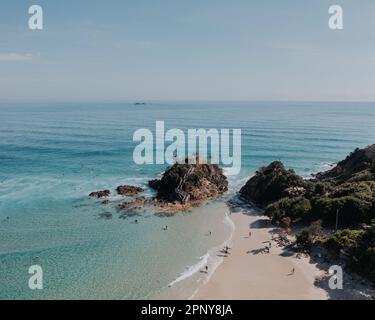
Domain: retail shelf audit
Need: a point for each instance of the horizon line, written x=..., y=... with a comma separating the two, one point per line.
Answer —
x=150, y=101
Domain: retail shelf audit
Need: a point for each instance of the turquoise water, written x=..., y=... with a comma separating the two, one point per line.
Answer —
x=53, y=155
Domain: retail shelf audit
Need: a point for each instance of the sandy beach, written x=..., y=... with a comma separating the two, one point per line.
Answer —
x=247, y=273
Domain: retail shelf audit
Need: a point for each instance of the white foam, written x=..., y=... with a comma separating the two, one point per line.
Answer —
x=217, y=260
x=210, y=258
x=192, y=269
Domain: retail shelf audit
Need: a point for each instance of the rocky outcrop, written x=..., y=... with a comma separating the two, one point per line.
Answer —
x=100, y=194
x=271, y=183
x=154, y=184
x=346, y=191
x=137, y=203
x=359, y=166
x=127, y=190
x=182, y=186
x=185, y=183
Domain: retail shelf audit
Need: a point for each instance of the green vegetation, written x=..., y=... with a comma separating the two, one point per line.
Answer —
x=342, y=239
x=348, y=210
x=293, y=208
x=363, y=254
x=305, y=240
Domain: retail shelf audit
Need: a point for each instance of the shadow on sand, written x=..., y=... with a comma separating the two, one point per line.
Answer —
x=354, y=287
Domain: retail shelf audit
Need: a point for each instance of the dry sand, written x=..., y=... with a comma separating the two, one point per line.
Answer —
x=248, y=274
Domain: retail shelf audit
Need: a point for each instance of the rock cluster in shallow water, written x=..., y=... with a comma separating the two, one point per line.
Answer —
x=182, y=186
x=184, y=183
x=100, y=194
x=128, y=190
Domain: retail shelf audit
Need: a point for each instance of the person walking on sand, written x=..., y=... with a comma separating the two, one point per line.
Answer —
x=209, y=232
x=293, y=270
x=206, y=269
x=249, y=234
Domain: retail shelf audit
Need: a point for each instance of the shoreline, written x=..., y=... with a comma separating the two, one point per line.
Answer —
x=248, y=274
x=187, y=283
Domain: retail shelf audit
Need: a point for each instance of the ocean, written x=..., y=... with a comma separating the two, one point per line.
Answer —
x=53, y=155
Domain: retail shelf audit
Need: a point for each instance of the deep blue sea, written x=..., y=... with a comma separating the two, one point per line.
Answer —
x=53, y=155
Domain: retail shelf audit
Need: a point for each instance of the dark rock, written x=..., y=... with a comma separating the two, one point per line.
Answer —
x=359, y=161
x=100, y=194
x=127, y=190
x=154, y=184
x=190, y=183
x=137, y=203
x=271, y=183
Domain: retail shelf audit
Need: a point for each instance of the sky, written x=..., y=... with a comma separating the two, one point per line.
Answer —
x=220, y=50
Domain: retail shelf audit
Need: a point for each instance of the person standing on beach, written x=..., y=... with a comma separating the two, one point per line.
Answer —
x=249, y=234
x=206, y=269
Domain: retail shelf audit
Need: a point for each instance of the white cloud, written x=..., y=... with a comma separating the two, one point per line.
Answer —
x=13, y=56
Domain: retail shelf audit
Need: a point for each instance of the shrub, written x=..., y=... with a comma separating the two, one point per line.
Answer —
x=285, y=222
x=363, y=256
x=361, y=190
x=294, y=208
x=320, y=188
x=343, y=239
x=304, y=240
x=371, y=213
x=350, y=210
x=315, y=228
